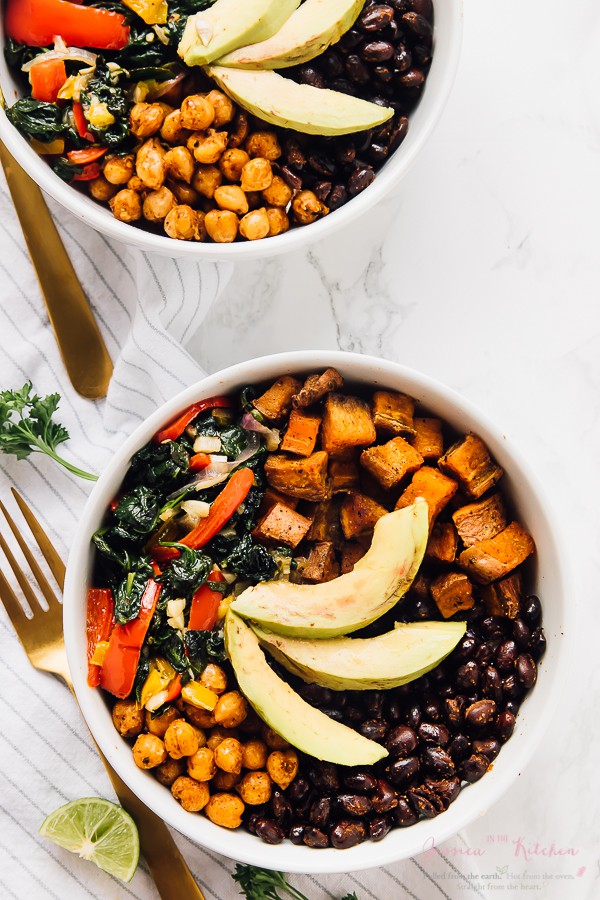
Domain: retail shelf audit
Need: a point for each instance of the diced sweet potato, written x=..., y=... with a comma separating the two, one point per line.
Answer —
x=421, y=587
x=433, y=486
x=317, y=386
x=282, y=525
x=391, y=462
x=322, y=564
x=393, y=412
x=304, y=478
x=302, y=431
x=344, y=473
x=469, y=461
x=276, y=402
x=496, y=557
x=452, y=592
x=502, y=598
x=271, y=497
x=325, y=517
x=428, y=439
x=443, y=543
x=351, y=553
x=359, y=515
x=480, y=521
x=347, y=423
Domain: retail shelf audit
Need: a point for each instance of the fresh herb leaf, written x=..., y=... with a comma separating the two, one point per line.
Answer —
x=157, y=465
x=128, y=596
x=233, y=441
x=352, y=896
x=138, y=511
x=188, y=572
x=264, y=884
x=250, y=560
x=37, y=119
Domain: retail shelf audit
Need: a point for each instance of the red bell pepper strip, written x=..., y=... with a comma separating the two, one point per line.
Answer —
x=81, y=122
x=174, y=690
x=46, y=79
x=37, y=22
x=89, y=173
x=176, y=428
x=199, y=461
x=99, y=624
x=85, y=156
x=125, y=645
x=205, y=605
x=223, y=507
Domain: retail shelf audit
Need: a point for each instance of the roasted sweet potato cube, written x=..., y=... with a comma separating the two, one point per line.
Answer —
x=344, y=473
x=421, y=586
x=347, y=423
x=325, y=517
x=469, y=461
x=351, y=553
x=433, y=486
x=271, y=497
x=428, y=439
x=322, y=564
x=480, y=521
x=393, y=412
x=443, y=543
x=317, y=386
x=496, y=557
x=302, y=431
x=281, y=525
x=303, y=478
x=391, y=462
x=276, y=402
x=452, y=592
x=502, y=598
x=359, y=514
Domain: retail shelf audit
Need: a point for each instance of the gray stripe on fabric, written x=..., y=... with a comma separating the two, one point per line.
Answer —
x=395, y=878
x=431, y=879
x=119, y=259
x=458, y=872
x=134, y=390
x=7, y=891
x=48, y=526
x=363, y=887
x=169, y=337
x=46, y=482
x=20, y=862
x=183, y=293
x=319, y=885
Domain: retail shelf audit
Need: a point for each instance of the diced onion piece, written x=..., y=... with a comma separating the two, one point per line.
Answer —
x=157, y=701
x=177, y=622
x=167, y=514
x=69, y=54
x=229, y=577
x=207, y=443
x=175, y=607
x=196, y=508
x=195, y=693
x=271, y=435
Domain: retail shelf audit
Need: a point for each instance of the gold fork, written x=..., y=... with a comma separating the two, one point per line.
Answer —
x=42, y=639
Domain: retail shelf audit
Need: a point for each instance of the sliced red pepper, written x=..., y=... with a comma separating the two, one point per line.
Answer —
x=37, y=22
x=199, y=461
x=85, y=156
x=46, y=79
x=205, y=605
x=174, y=690
x=81, y=122
x=89, y=173
x=176, y=428
x=125, y=645
x=99, y=624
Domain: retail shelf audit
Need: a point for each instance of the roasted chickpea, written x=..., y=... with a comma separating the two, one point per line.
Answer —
x=257, y=175
x=179, y=164
x=157, y=204
x=136, y=184
x=118, y=169
x=265, y=144
x=232, y=162
x=150, y=164
x=214, y=678
x=254, y=755
x=181, y=739
x=231, y=708
x=239, y=130
x=159, y=725
x=225, y=810
x=255, y=225
x=307, y=207
x=201, y=718
x=222, y=225
x=207, y=148
x=223, y=107
x=224, y=781
x=255, y=788
x=149, y=751
x=228, y=756
x=197, y=113
x=185, y=193
x=231, y=196
x=169, y=771
x=182, y=223
x=272, y=739
x=145, y=119
x=279, y=193
x=206, y=180
x=201, y=764
x=278, y=220
x=127, y=718
x=282, y=766
x=172, y=130
x=102, y=190
x=126, y=206
x=193, y=795
x=217, y=735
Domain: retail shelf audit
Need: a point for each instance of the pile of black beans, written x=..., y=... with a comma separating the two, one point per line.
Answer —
x=384, y=58
x=442, y=732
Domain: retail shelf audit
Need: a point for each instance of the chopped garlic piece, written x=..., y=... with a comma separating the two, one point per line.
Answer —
x=197, y=508
x=175, y=607
x=206, y=443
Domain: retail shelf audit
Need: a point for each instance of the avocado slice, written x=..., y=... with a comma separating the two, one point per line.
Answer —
x=285, y=711
x=283, y=102
x=229, y=24
x=351, y=601
x=366, y=664
x=308, y=32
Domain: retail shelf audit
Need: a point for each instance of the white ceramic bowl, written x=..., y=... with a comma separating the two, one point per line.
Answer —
x=550, y=580
x=448, y=33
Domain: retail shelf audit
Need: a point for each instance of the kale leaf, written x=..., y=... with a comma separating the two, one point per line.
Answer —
x=37, y=119
x=233, y=441
x=65, y=169
x=157, y=465
x=247, y=517
x=188, y=572
x=137, y=512
x=203, y=646
x=128, y=595
x=104, y=88
x=142, y=673
x=250, y=560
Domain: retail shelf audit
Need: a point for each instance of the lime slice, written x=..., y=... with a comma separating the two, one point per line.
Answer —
x=97, y=830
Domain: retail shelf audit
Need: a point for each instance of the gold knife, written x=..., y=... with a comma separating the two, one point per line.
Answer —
x=81, y=345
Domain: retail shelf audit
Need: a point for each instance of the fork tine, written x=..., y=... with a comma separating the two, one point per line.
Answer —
x=37, y=572
x=55, y=563
x=15, y=611
x=18, y=572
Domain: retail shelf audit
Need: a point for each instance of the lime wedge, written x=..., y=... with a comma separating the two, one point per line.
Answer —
x=97, y=830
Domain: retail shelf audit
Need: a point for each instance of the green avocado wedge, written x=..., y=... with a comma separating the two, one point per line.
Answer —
x=351, y=601
x=308, y=32
x=281, y=101
x=305, y=727
x=365, y=664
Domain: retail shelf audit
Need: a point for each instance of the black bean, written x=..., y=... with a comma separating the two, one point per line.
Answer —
x=314, y=837
x=459, y=747
x=521, y=633
x=492, y=627
x=374, y=729
x=537, y=643
x=401, y=771
x=330, y=64
x=506, y=656
x=425, y=802
x=453, y=709
x=432, y=708
x=421, y=54
x=320, y=812
x=298, y=789
x=473, y=768
x=360, y=782
x=394, y=710
x=291, y=178
x=374, y=703
x=526, y=670
x=490, y=748
x=480, y=713
x=438, y=761
x=384, y=73
x=322, y=189
x=310, y=75
x=347, y=833
x=491, y=684
x=417, y=25
x=350, y=40
x=376, y=17
x=269, y=831
x=360, y=179
x=336, y=714
x=532, y=610
x=281, y=807
x=353, y=713
x=296, y=834
x=356, y=70
x=403, y=814
x=512, y=706
x=446, y=789
x=379, y=827
x=423, y=7
x=432, y=733
x=413, y=716
x=384, y=798
x=467, y=676
x=401, y=741
x=484, y=654
x=402, y=58
x=354, y=804
x=324, y=776
x=377, y=51
x=414, y=79
x=512, y=687
x=505, y=725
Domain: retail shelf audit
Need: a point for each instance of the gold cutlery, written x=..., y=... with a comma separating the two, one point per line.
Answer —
x=42, y=639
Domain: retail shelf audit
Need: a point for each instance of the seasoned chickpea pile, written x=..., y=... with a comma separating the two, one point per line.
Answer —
x=215, y=762
x=201, y=174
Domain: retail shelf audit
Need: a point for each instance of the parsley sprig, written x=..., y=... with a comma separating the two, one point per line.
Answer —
x=26, y=426
x=263, y=884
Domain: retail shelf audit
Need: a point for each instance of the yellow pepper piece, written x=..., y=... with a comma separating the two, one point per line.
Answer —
x=160, y=676
x=99, y=653
x=195, y=693
x=153, y=12
x=55, y=146
x=99, y=116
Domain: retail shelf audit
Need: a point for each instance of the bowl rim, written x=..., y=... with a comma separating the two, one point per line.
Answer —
x=401, y=843
x=428, y=112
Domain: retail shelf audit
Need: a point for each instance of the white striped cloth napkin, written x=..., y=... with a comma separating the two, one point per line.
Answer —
x=147, y=307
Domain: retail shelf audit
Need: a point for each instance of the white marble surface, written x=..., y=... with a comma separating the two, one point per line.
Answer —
x=485, y=273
